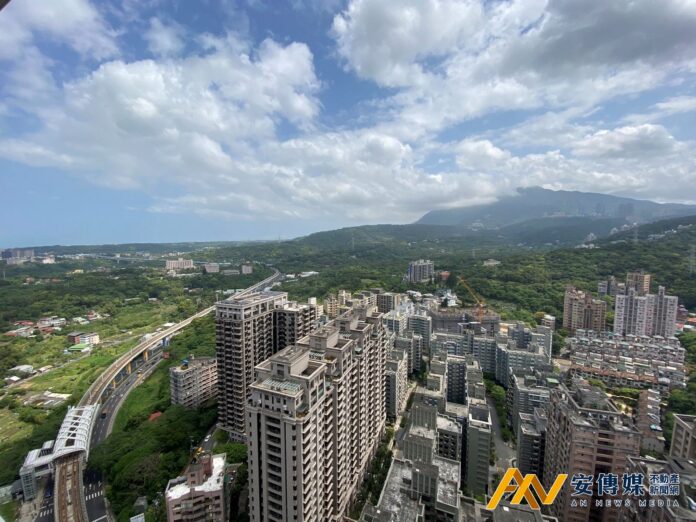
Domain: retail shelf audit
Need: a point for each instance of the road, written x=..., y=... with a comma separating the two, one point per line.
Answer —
x=69, y=480
x=93, y=483
x=103, y=424
x=504, y=454
x=45, y=513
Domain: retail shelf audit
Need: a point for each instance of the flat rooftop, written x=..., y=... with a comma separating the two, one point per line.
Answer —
x=448, y=483
x=422, y=431
x=394, y=499
x=250, y=299
x=445, y=423
x=288, y=387
x=510, y=513
x=177, y=489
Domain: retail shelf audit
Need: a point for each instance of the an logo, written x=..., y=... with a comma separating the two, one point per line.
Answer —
x=513, y=481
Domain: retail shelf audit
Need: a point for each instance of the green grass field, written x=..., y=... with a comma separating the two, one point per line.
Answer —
x=152, y=395
x=18, y=425
x=9, y=511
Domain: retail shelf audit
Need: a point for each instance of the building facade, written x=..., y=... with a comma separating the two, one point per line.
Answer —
x=396, y=383
x=586, y=433
x=178, y=264
x=683, y=437
x=194, y=382
x=202, y=493
x=387, y=301
x=420, y=271
x=646, y=314
x=316, y=414
x=249, y=330
x=580, y=310
x=639, y=282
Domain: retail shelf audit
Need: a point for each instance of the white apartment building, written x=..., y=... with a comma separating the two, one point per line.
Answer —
x=178, y=264
x=396, y=383
x=649, y=314
x=396, y=321
x=412, y=344
x=420, y=271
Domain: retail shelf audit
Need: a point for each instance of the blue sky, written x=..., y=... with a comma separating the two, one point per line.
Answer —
x=163, y=120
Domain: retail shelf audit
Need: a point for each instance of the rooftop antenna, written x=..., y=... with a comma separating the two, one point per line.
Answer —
x=352, y=240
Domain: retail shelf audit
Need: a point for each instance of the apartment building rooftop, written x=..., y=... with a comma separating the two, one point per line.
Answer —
x=421, y=431
x=191, y=363
x=686, y=419
x=686, y=470
x=395, y=503
x=461, y=411
x=250, y=299
x=592, y=407
x=179, y=487
x=479, y=413
x=287, y=387
x=512, y=513
x=446, y=423
x=448, y=480
x=591, y=397
x=528, y=425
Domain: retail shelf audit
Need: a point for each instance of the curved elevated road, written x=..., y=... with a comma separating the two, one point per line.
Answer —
x=69, y=494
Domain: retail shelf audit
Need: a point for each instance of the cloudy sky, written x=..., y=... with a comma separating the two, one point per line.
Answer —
x=164, y=120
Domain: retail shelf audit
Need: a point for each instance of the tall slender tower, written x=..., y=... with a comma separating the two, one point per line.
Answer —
x=248, y=331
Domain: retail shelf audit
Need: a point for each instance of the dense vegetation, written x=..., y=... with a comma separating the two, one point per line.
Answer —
x=683, y=401
x=69, y=295
x=376, y=476
x=153, y=395
x=497, y=394
x=12, y=455
x=130, y=298
x=141, y=456
x=141, y=461
x=536, y=281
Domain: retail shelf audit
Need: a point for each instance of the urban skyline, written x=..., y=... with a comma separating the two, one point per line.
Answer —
x=347, y=261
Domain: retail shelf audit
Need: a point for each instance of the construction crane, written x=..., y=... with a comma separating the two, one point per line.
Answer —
x=480, y=303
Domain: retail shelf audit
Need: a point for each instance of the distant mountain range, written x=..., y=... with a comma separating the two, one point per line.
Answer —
x=533, y=217
x=536, y=202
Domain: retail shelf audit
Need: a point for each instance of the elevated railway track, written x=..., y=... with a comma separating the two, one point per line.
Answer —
x=69, y=497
